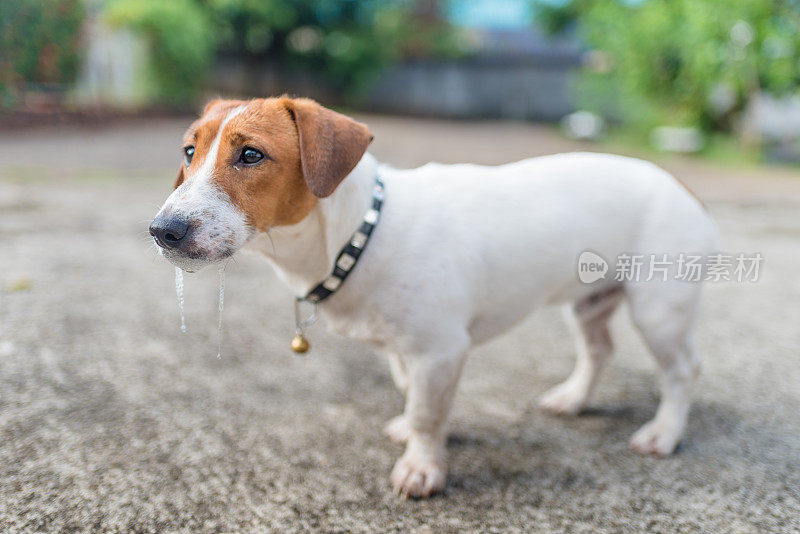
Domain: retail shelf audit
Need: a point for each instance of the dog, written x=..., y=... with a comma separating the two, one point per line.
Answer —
x=453, y=255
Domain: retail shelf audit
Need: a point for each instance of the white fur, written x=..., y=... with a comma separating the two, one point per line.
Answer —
x=464, y=252
x=220, y=227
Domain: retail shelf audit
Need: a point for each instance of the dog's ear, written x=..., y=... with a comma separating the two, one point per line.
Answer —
x=331, y=144
x=179, y=179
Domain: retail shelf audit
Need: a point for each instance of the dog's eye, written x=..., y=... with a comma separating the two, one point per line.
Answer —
x=250, y=155
x=188, y=152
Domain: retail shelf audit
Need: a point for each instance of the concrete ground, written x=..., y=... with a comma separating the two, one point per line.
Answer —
x=112, y=420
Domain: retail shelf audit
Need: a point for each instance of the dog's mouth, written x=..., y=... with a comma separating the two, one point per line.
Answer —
x=192, y=257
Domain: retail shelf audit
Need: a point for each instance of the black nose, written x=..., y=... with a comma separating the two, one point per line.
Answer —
x=169, y=231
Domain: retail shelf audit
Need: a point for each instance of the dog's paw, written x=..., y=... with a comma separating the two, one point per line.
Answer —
x=416, y=477
x=656, y=438
x=398, y=429
x=564, y=399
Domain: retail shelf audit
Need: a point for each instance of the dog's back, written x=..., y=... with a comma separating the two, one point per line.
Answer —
x=514, y=233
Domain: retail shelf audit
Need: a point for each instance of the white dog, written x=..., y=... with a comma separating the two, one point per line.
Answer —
x=459, y=254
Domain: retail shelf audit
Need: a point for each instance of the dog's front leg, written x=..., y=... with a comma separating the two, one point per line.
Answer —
x=432, y=380
x=398, y=429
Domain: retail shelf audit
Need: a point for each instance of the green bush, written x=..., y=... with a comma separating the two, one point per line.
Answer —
x=346, y=41
x=683, y=62
x=39, y=45
x=181, y=38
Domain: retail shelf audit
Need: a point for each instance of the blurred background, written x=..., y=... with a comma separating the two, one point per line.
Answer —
x=713, y=76
x=111, y=420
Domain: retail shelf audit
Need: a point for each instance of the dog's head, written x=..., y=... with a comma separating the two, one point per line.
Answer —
x=249, y=166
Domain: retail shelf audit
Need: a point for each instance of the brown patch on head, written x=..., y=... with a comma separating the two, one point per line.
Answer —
x=273, y=191
x=308, y=150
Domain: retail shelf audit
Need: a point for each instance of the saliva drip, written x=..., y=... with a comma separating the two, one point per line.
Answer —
x=179, y=292
x=221, y=306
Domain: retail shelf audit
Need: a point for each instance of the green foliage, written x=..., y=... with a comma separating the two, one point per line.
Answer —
x=346, y=41
x=39, y=44
x=180, y=36
x=684, y=62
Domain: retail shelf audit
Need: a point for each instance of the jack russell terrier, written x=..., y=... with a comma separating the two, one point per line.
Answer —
x=453, y=255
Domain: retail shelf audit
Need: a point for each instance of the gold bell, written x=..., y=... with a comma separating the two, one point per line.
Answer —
x=299, y=344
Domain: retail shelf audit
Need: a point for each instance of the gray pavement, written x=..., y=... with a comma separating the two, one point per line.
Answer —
x=111, y=420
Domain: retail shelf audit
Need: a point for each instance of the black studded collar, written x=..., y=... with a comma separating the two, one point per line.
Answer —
x=348, y=256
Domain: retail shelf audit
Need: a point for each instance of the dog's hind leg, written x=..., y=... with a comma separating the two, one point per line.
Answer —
x=588, y=320
x=665, y=313
x=399, y=373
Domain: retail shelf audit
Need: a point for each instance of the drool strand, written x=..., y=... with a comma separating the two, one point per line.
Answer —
x=221, y=306
x=179, y=292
